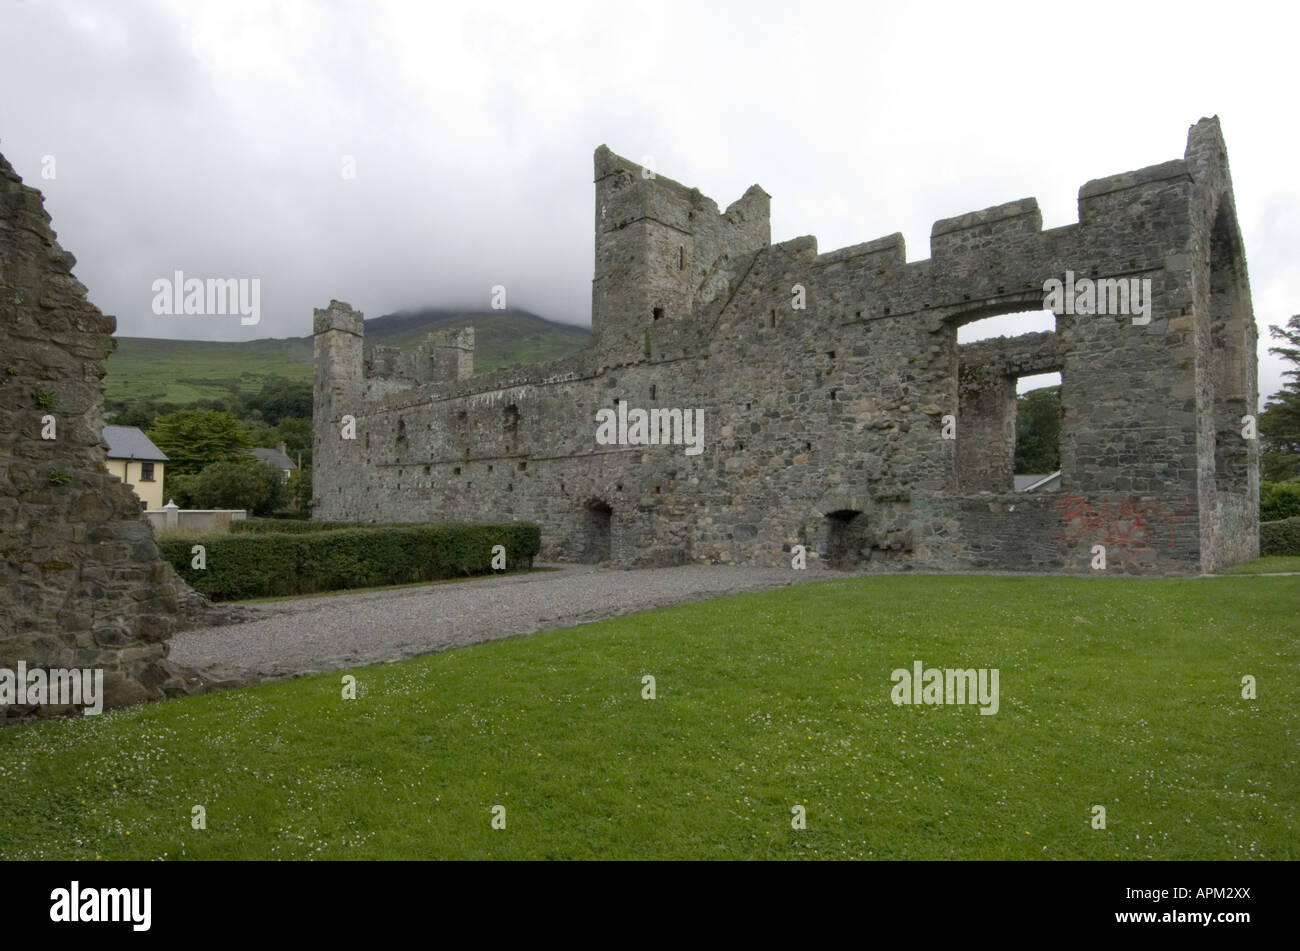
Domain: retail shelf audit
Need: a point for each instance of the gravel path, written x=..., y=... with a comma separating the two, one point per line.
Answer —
x=352, y=630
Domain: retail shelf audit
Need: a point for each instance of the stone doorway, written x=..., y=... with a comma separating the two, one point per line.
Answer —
x=848, y=544
x=594, y=539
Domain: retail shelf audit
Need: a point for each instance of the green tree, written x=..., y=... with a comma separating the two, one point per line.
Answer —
x=1278, y=500
x=295, y=433
x=260, y=434
x=1038, y=431
x=138, y=413
x=300, y=489
x=1279, y=423
x=243, y=483
x=280, y=398
x=195, y=438
x=179, y=489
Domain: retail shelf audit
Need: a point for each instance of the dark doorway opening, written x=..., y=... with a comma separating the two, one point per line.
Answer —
x=595, y=537
x=848, y=544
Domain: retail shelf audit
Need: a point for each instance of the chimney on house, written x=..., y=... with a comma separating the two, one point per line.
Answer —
x=280, y=447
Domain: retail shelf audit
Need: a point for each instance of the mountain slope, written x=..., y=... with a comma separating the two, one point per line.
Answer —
x=182, y=371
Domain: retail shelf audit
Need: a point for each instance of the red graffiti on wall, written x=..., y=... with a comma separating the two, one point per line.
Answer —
x=1126, y=528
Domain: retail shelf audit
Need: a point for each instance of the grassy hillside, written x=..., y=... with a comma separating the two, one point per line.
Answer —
x=183, y=371
x=501, y=338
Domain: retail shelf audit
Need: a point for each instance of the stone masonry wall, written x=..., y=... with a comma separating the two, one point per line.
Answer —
x=824, y=425
x=83, y=584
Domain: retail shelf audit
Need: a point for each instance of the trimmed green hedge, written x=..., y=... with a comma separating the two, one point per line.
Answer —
x=290, y=526
x=1281, y=537
x=262, y=564
x=296, y=526
x=1278, y=500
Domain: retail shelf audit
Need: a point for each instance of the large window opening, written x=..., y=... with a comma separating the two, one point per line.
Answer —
x=1008, y=400
x=1037, y=463
x=1007, y=325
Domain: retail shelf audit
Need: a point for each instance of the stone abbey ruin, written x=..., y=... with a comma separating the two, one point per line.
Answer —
x=711, y=418
x=854, y=425
x=83, y=584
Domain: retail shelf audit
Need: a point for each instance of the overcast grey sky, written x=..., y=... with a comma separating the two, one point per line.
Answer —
x=208, y=137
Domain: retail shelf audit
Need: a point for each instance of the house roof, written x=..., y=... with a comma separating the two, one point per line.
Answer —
x=274, y=458
x=128, y=442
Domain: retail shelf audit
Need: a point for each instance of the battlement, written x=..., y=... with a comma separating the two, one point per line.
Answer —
x=666, y=257
x=627, y=193
x=664, y=252
x=444, y=356
x=978, y=228
x=337, y=316
x=889, y=251
x=343, y=364
x=640, y=190
x=827, y=382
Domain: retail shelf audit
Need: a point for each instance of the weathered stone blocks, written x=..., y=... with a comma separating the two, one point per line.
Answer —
x=82, y=582
x=824, y=421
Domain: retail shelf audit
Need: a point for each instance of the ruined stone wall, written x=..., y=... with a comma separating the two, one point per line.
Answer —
x=663, y=252
x=824, y=425
x=83, y=584
x=1226, y=390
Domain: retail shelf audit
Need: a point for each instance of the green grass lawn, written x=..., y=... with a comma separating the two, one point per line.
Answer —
x=1113, y=692
x=1266, y=565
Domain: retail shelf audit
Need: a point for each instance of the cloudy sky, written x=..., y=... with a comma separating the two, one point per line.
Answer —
x=211, y=138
